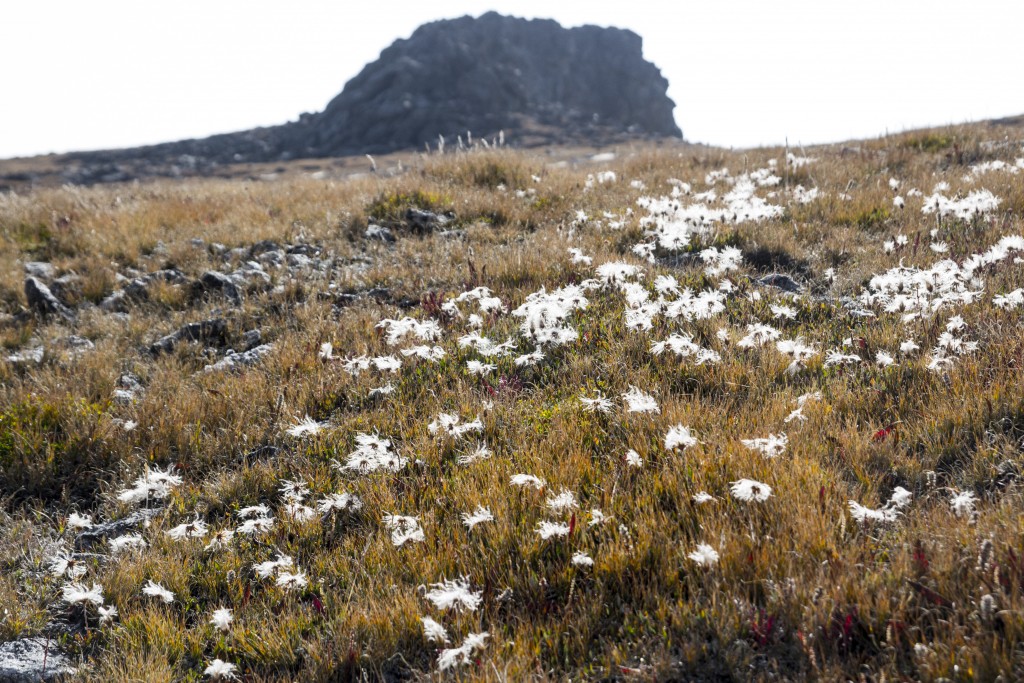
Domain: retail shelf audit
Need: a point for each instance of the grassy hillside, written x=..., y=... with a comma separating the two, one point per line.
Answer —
x=644, y=459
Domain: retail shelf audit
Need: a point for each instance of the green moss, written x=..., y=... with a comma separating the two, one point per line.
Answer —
x=390, y=207
x=929, y=142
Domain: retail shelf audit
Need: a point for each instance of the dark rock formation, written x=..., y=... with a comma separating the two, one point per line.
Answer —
x=497, y=73
x=534, y=80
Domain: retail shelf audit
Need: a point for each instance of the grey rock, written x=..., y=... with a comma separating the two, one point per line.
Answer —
x=299, y=261
x=30, y=660
x=264, y=246
x=123, y=397
x=250, y=273
x=30, y=356
x=40, y=269
x=237, y=361
x=539, y=83
x=67, y=287
x=42, y=301
x=252, y=339
x=452, y=234
x=780, y=281
x=304, y=249
x=171, y=275
x=379, y=232
x=129, y=381
x=100, y=532
x=275, y=257
x=136, y=290
x=214, y=281
x=424, y=222
x=115, y=302
x=77, y=345
x=209, y=331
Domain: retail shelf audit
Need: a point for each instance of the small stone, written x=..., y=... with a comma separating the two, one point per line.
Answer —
x=379, y=232
x=42, y=301
x=237, y=361
x=780, y=281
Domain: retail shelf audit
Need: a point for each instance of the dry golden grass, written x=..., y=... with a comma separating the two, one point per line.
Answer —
x=801, y=591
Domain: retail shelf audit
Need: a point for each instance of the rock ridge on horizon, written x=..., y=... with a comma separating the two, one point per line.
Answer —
x=539, y=83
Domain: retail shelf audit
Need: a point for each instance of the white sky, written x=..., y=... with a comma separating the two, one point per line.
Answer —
x=115, y=73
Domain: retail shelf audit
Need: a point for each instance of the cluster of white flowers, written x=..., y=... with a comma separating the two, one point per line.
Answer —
x=372, y=454
x=154, y=484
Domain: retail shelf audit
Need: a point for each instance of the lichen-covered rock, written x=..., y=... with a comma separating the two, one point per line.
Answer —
x=30, y=660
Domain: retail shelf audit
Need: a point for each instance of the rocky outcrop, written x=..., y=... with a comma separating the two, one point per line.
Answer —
x=534, y=80
x=496, y=74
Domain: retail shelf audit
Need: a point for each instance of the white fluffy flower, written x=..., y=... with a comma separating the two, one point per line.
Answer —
x=77, y=593
x=307, y=426
x=640, y=402
x=219, y=669
x=292, y=581
x=679, y=437
x=581, y=559
x=771, y=446
x=565, y=500
x=454, y=595
x=600, y=404
x=481, y=514
x=704, y=555
x=633, y=459
x=963, y=503
x=433, y=631
x=548, y=530
x=527, y=480
x=155, y=590
x=462, y=654
x=221, y=619
x=749, y=490
x=404, y=529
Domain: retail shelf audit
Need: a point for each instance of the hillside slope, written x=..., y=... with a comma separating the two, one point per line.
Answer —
x=670, y=415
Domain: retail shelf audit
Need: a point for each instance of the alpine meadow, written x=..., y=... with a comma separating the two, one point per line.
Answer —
x=649, y=412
